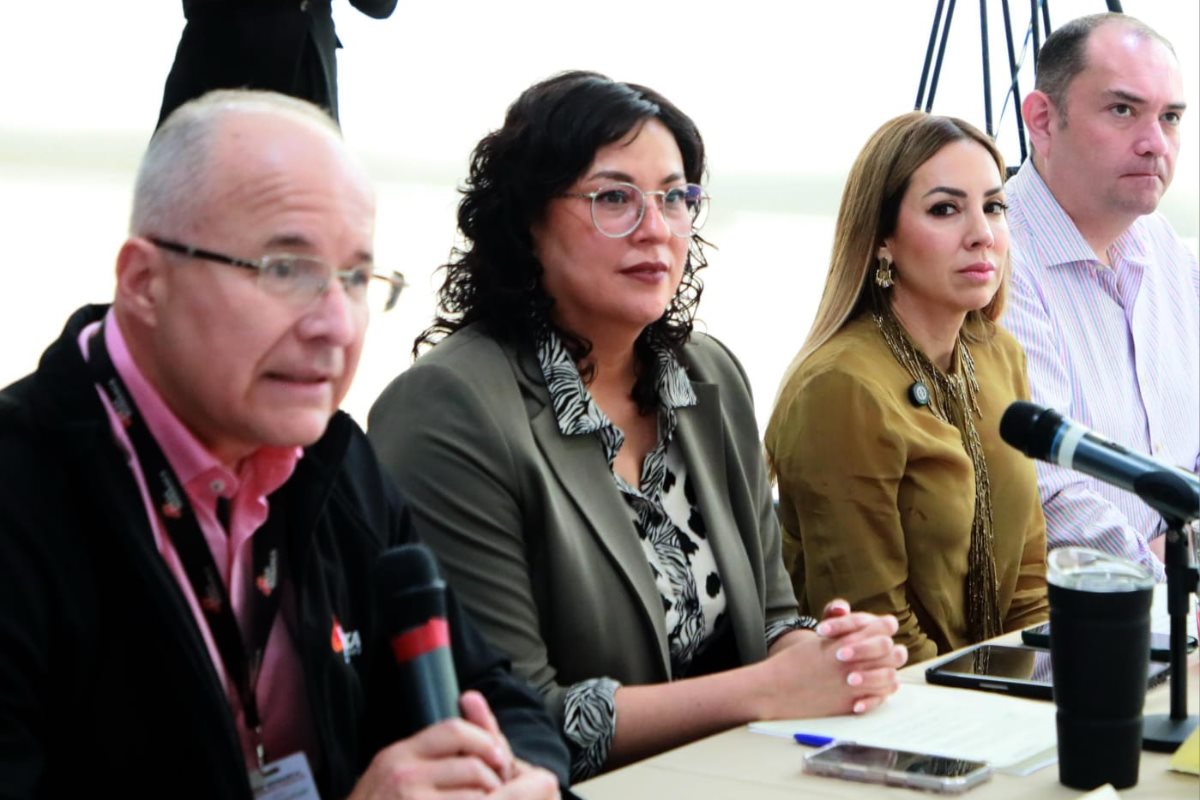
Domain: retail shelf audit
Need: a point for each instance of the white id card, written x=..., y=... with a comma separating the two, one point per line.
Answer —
x=288, y=778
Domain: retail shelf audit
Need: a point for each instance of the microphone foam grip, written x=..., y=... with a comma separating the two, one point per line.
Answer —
x=409, y=565
x=408, y=589
x=1030, y=428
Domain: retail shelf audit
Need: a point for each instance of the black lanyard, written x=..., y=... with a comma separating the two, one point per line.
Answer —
x=177, y=517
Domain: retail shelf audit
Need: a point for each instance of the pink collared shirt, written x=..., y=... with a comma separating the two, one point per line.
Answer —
x=280, y=692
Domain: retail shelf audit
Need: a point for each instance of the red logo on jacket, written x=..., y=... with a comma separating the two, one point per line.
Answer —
x=346, y=643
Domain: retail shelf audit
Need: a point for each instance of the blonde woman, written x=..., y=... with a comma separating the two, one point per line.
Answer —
x=895, y=489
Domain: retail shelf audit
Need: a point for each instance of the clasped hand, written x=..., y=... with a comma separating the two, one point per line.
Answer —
x=849, y=666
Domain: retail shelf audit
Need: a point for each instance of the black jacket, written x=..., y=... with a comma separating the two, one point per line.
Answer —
x=287, y=46
x=105, y=681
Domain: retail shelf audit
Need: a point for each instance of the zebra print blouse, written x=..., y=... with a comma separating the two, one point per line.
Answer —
x=665, y=515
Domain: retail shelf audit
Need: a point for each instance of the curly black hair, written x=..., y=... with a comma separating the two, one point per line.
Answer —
x=549, y=137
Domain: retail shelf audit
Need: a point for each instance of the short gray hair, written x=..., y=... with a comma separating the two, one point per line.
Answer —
x=1064, y=53
x=172, y=179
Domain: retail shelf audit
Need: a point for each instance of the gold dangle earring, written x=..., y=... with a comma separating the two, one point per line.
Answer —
x=883, y=273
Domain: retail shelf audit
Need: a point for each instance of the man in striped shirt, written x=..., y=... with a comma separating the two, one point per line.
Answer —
x=1105, y=297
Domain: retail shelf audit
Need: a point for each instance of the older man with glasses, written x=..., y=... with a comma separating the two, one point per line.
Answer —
x=187, y=522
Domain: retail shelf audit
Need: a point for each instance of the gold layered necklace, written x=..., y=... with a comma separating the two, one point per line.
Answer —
x=953, y=400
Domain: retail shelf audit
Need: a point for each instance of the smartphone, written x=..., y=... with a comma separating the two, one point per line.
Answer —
x=931, y=773
x=1160, y=643
x=1011, y=669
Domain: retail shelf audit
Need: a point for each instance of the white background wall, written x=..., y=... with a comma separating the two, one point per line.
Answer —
x=785, y=94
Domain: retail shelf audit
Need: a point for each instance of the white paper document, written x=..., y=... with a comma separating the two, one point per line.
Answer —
x=1005, y=731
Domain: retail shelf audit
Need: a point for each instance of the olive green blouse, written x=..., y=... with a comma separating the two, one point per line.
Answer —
x=877, y=495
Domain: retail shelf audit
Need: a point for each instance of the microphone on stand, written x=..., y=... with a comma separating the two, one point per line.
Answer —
x=1045, y=434
x=411, y=600
x=1172, y=492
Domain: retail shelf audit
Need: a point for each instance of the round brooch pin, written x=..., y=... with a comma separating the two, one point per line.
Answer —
x=918, y=394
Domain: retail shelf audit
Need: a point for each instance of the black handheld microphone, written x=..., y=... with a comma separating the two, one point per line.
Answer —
x=1045, y=434
x=411, y=599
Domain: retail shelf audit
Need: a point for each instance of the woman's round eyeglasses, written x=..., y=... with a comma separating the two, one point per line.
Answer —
x=618, y=208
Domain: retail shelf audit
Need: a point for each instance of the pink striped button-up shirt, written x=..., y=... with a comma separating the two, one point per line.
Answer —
x=1114, y=348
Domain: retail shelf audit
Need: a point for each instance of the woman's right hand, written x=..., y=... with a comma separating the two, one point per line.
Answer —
x=848, y=666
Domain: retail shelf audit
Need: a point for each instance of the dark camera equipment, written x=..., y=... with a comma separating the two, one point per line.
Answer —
x=1033, y=36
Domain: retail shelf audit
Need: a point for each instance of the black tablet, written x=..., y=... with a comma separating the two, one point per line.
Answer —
x=1011, y=669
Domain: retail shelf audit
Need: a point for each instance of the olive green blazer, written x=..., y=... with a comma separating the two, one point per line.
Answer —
x=532, y=531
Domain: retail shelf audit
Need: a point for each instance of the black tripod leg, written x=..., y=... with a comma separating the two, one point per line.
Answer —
x=937, y=18
x=937, y=67
x=1015, y=85
x=987, y=70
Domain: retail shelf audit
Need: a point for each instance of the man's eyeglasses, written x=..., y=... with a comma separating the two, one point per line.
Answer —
x=302, y=279
x=618, y=208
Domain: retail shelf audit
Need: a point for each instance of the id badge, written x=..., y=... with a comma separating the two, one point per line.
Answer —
x=288, y=778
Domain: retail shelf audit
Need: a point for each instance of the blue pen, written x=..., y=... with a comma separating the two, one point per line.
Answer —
x=811, y=740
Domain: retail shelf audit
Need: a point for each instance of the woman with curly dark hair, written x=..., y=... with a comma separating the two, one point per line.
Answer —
x=586, y=466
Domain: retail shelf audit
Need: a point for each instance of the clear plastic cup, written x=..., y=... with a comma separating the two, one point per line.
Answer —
x=1088, y=570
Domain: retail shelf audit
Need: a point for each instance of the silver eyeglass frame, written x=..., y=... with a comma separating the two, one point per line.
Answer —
x=395, y=281
x=696, y=223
